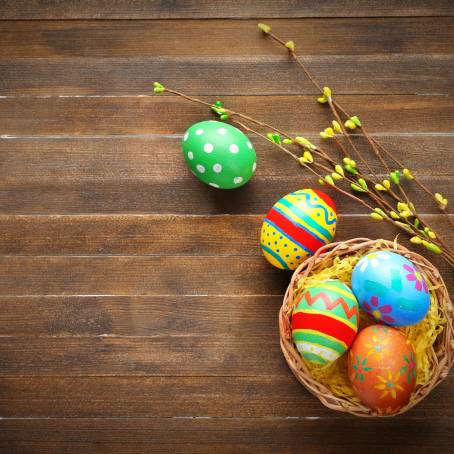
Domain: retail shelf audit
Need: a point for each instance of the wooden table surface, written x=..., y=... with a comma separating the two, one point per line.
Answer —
x=136, y=311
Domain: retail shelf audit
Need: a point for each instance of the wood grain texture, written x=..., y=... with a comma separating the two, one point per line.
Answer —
x=136, y=311
x=226, y=235
x=226, y=38
x=153, y=316
x=141, y=158
x=276, y=396
x=141, y=356
x=415, y=74
x=139, y=275
x=143, y=275
x=152, y=9
x=144, y=115
x=148, y=175
x=226, y=435
x=169, y=195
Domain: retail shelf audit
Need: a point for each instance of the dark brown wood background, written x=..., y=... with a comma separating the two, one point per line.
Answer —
x=136, y=311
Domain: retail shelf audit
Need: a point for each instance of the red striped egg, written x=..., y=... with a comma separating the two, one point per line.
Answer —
x=325, y=321
x=296, y=226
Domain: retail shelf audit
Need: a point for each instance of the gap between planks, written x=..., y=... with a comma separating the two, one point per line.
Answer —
x=179, y=136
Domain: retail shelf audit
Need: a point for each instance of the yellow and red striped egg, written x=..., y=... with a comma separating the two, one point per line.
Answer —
x=325, y=321
x=296, y=226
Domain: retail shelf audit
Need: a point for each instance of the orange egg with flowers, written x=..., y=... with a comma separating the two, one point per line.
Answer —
x=382, y=368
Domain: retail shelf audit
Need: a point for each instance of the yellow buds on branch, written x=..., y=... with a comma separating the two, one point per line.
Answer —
x=327, y=96
x=329, y=180
x=442, y=201
x=350, y=166
x=337, y=127
x=274, y=137
x=394, y=215
x=307, y=157
x=339, y=170
x=327, y=133
x=305, y=143
x=407, y=174
x=353, y=122
x=290, y=45
x=378, y=214
x=264, y=28
x=158, y=88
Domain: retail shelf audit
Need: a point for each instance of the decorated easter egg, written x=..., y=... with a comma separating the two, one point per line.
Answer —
x=382, y=368
x=219, y=154
x=325, y=321
x=391, y=288
x=296, y=226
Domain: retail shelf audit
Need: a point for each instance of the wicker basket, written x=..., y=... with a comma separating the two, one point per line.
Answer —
x=442, y=349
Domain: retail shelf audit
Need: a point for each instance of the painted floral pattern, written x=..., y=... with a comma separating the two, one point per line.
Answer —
x=360, y=368
x=379, y=312
x=415, y=276
x=409, y=367
x=389, y=385
x=390, y=379
x=378, y=348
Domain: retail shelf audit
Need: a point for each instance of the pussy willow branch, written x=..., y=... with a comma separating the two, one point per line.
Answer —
x=306, y=166
x=372, y=141
x=234, y=114
x=446, y=256
x=229, y=111
x=266, y=125
x=332, y=106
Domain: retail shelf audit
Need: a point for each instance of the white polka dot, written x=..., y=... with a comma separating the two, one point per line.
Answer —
x=185, y=137
x=208, y=148
x=217, y=168
x=222, y=131
x=238, y=180
x=190, y=155
x=199, y=132
x=214, y=185
x=254, y=166
x=249, y=145
x=200, y=168
x=234, y=148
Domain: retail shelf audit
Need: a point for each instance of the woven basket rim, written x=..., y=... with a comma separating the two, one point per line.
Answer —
x=443, y=351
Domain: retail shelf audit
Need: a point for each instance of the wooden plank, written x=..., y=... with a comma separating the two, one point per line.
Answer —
x=232, y=355
x=142, y=158
x=415, y=74
x=135, y=275
x=138, y=167
x=152, y=397
x=152, y=316
x=227, y=38
x=149, y=175
x=227, y=235
x=227, y=435
x=144, y=115
x=154, y=9
x=144, y=275
x=172, y=195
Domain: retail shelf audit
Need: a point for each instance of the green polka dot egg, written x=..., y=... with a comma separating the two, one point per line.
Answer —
x=219, y=154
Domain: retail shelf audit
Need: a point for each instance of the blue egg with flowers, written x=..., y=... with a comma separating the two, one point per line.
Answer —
x=391, y=288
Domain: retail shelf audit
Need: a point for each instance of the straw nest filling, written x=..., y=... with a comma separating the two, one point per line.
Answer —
x=432, y=339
